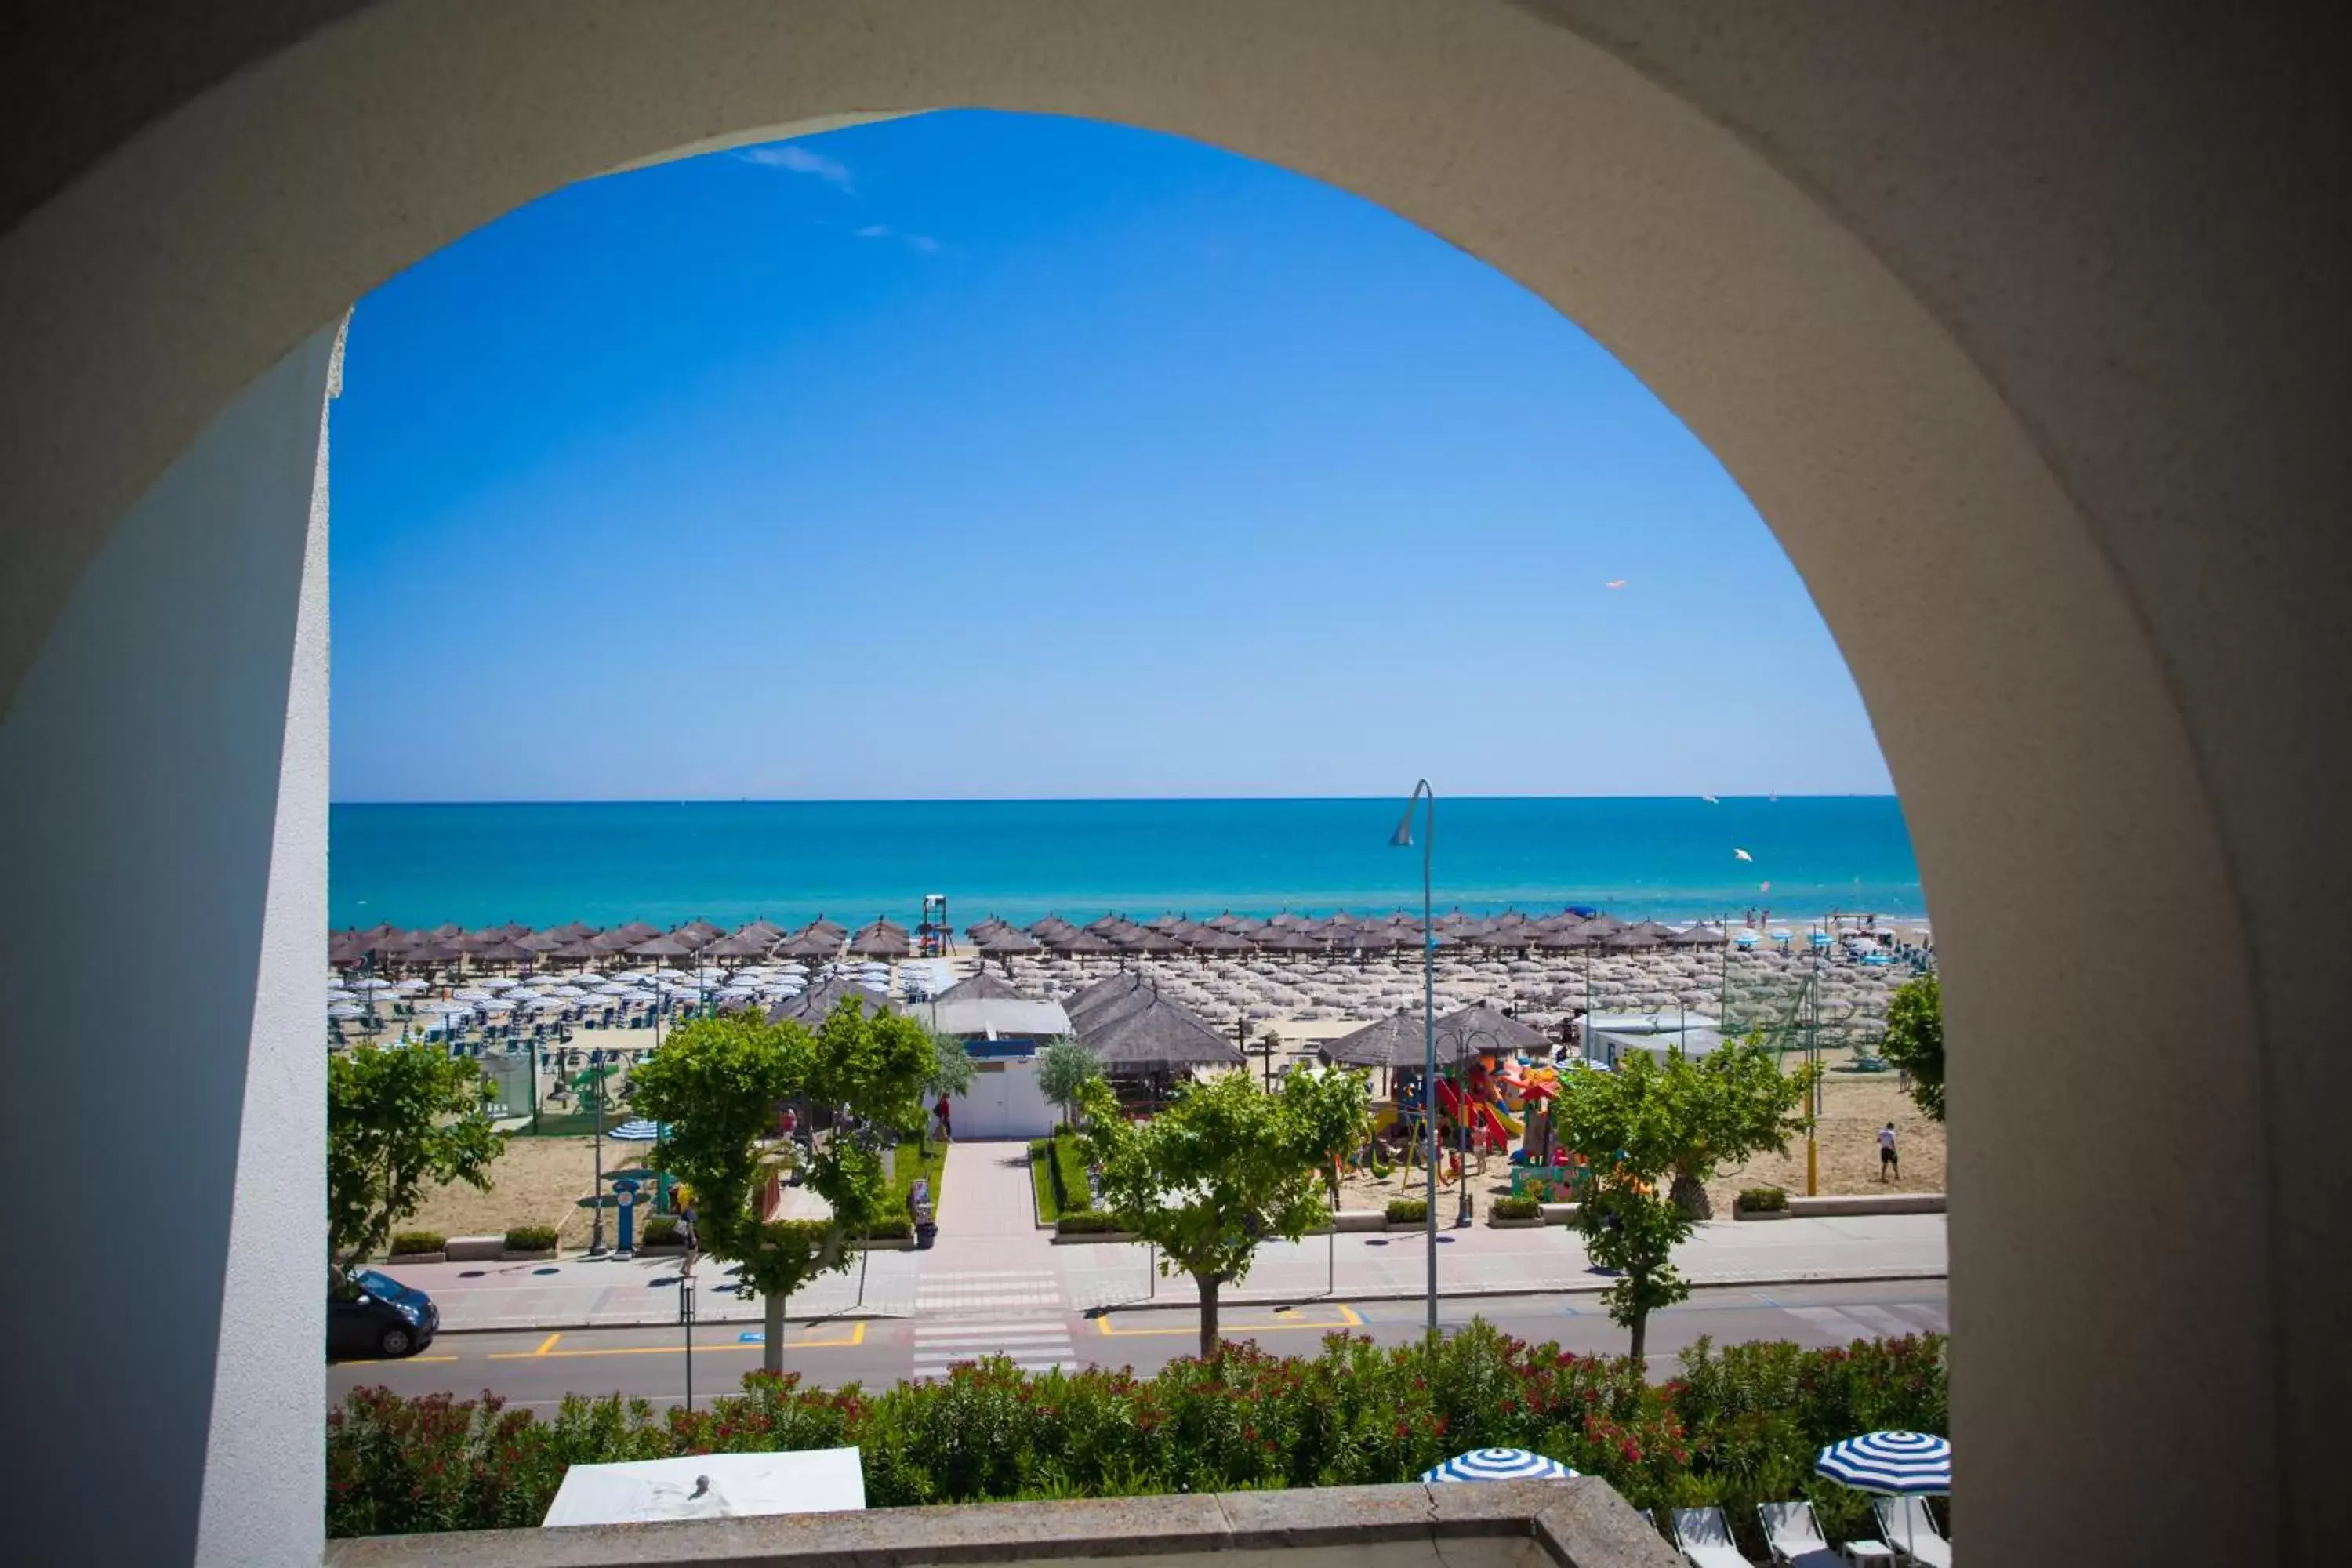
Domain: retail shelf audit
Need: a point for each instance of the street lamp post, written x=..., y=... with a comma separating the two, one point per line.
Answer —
x=1402, y=839
x=596, y=1219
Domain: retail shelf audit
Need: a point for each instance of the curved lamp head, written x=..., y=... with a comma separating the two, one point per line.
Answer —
x=1403, y=837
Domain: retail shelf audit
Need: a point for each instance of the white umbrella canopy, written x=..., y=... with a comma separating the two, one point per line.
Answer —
x=412, y=985
x=496, y=982
x=470, y=993
x=371, y=985
x=344, y=1010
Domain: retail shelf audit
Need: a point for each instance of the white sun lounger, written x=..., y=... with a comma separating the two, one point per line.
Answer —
x=1795, y=1536
x=1911, y=1530
x=1704, y=1538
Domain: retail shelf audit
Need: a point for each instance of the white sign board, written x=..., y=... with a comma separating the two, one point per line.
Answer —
x=710, y=1486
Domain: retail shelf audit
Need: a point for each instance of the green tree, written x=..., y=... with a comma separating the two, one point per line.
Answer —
x=398, y=1116
x=1223, y=1168
x=1728, y=1105
x=1065, y=1068
x=1646, y=1125
x=716, y=1084
x=1915, y=1040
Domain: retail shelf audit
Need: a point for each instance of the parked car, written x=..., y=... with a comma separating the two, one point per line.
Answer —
x=372, y=1314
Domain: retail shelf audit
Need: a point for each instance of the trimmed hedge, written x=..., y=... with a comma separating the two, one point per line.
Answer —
x=407, y=1243
x=1516, y=1208
x=1041, y=1179
x=899, y=1229
x=1408, y=1211
x=1735, y=1427
x=662, y=1230
x=1762, y=1199
x=1085, y=1222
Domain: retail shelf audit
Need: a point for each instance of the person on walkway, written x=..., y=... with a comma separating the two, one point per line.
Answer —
x=1888, y=1165
x=947, y=1132
x=686, y=1226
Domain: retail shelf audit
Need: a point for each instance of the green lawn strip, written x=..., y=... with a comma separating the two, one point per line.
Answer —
x=1041, y=1176
x=1071, y=1160
x=907, y=1165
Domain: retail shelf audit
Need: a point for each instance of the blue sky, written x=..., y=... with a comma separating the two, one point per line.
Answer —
x=982, y=455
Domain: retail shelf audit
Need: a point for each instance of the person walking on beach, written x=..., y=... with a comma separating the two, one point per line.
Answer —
x=1887, y=1162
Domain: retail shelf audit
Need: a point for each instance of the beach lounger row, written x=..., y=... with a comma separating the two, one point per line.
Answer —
x=1704, y=1536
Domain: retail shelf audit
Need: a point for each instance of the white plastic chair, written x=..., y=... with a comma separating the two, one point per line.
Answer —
x=1911, y=1530
x=1704, y=1536
x=1795, y=1536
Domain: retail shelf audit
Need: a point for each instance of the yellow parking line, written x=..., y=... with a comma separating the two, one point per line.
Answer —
x=856, y=1337
x=547, y=1344
x=1348, y=1319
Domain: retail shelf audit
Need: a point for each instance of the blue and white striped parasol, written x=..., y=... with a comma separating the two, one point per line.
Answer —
x=1498, y=1465
x=1892, y=1464
x=638, y=1131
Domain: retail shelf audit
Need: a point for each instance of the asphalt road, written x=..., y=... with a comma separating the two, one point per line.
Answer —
x=537, y=1369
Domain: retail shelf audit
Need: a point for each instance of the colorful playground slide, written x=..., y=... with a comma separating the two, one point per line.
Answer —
x=1484, y=1120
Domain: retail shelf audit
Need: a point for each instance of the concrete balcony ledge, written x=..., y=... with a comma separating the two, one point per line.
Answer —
x=1577, y=1523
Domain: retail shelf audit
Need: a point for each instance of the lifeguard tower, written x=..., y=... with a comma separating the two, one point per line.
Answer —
x=932, y=934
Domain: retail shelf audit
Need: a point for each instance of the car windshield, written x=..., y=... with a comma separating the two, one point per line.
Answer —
x=383, y=1287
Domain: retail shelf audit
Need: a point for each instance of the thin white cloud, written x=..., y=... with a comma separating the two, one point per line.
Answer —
x=793, y=157
x=922, y=242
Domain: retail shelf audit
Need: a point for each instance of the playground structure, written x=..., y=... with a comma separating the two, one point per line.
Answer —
x=1484, y=1105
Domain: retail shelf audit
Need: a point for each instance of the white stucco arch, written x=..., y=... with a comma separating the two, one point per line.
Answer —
x=1859, y=261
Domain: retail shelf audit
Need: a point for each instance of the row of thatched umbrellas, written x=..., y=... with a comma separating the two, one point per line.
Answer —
x=1569, y=932
x=578, y=943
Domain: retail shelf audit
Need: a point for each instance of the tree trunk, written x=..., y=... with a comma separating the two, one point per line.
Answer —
x=1639, y=1283
x=1208, y=1284
x=1690, y=1196
x=772, y=1337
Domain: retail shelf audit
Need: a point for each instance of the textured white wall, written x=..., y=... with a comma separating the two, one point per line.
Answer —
x=265, y=1468
x=163, y=814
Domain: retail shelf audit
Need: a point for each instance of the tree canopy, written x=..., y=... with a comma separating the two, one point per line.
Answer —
x=1223, y=1168
x=398, y=1116
x=1065, y=1068
x=1915, y=1040
x=1645, y=1126
x=716, y=1084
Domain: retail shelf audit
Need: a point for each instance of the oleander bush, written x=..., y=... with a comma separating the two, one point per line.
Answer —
x=1408, y=1211
x=408, y=1243
x=1735, y=1427
x=1516, y=1208
x=1763, y=1200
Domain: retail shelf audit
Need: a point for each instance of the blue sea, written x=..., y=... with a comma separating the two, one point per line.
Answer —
x=791, y=861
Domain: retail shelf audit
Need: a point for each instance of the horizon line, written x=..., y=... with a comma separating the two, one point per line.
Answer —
x=1099, y=799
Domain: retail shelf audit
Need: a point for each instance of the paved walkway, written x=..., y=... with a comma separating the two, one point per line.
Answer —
x=1484, y=1261
x=989, y=1256
x=991, y=1268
